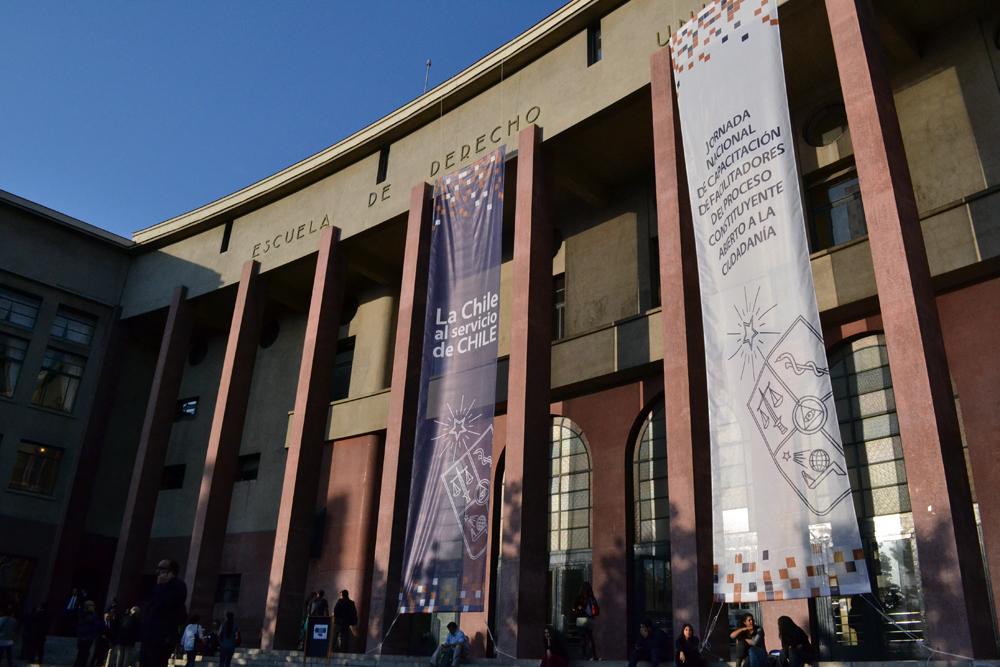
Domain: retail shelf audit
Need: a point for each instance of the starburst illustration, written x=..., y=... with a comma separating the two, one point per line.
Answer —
x=750, y=338
x=459, y=428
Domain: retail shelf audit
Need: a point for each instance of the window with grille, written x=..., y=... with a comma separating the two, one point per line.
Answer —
x=12, y=351
x=74, y=326
x=36, y=468
x=836, y=214
x=569, y=491
x=649, y=480
x=58, y=380
x=18, y=308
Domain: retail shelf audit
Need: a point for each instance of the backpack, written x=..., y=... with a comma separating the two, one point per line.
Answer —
x=592, y=610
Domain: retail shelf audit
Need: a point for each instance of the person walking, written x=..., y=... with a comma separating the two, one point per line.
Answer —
x=88, y=628
x=651, y=645
x=8, y=630
x=35, y=632
x=123, y=653
x=687, y=648
x=345, y=615
x=229, y=639
x=193, y=634
x=586, y=610
x=163, y=615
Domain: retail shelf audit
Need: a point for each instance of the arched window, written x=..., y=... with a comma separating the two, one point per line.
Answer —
x=651, y=521
x=866, y=408
x=569, y=520
x=569, y=488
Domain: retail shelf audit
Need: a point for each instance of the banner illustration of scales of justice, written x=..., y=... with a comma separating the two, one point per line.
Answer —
x=784, y=524
x=445, y=557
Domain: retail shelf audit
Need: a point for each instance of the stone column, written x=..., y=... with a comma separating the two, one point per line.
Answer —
x=221, y=457
x=290, y=559
x=401, y=424
x=684, y=390
x=953, y=582
x=151, y=453
x=524, y=550
x=61, y=567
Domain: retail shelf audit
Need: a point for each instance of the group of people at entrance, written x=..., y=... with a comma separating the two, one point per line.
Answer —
x=345, y=619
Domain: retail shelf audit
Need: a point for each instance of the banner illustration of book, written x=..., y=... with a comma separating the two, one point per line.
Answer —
x=444, y=561
x=784, y=524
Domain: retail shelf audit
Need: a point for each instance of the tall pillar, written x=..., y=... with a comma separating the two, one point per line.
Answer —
x=61, y=566
x=524, y=551
x=147, y=471
x=290, y=559
x=953, y=582
x=221, y=458
x=684, y=389
x=397, y=462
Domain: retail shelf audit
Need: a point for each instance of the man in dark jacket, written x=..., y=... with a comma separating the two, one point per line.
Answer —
x=123, y=647
x=652, y=645
x=164, y=614
x=88, y=628
x=35, y=632
x=345, y=614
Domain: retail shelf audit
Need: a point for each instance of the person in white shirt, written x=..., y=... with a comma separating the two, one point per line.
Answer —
x=193, y=633
x=456, y=642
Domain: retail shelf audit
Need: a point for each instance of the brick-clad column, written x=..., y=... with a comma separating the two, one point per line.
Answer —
x=401, y=425
x=290, y=559
x=684, y=389
x=522, y=584
x=147, y=471
x=953, y=582
x=61, y=567
x=225, y=435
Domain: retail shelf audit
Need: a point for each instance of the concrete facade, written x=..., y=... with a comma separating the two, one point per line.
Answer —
x=136, y=475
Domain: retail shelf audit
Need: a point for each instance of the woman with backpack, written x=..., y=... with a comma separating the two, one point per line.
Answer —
x=229, y=639
x=586, y=610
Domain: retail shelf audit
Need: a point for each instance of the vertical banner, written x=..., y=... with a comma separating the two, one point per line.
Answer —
x=783, y=517
x=444, y=563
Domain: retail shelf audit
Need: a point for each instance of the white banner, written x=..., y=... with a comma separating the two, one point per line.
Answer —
x=783, y=517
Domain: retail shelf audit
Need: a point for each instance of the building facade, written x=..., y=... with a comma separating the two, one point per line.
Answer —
x=235, y=387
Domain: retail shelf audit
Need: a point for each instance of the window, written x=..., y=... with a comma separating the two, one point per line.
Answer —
x=58, y=380
x=227, y=233
x=383, y=165
x=74, y=326
x=18, y=308
x=826, y=126
x=836, y=214
x=559, y=307
x=862, y=386
x=569, y=491
x=249, y=464
x=35, y=468
x=227, y=591
x=593, y=44
x=654, y=272
x=173, y=477
x=15, y=579
x=187, y=408
x=342, y=367
x=12, y=351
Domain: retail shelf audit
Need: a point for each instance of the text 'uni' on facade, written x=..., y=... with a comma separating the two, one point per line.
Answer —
x=228, y=388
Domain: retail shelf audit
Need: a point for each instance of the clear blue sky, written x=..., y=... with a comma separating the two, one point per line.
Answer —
x=126, y=113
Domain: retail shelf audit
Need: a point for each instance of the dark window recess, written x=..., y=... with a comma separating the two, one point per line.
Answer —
x=269, y=332
x=593, y=44
x=187, y=408
x=226, y=233
x=654, y=272
x=227, y=591
x=559, y=306
x=383, y=165
x=342, y=369
x=173, y=477
x=198, y=350
x=248, y=466
x=35, y=468
x=836, y=214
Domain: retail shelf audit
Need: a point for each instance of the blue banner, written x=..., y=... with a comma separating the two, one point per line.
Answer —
x=444, y=563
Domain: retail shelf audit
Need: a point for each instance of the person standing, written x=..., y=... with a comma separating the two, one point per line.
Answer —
x=229, y=639
x=586, y=610
x=345, y=615
x=320, y=606
x=88, y=629
x=123, y=643
x=35, y=632
x=8, y=630
x=102, y=643
x=193, y=634
x=651, y=646
x=71, y=612
x=163, y=615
